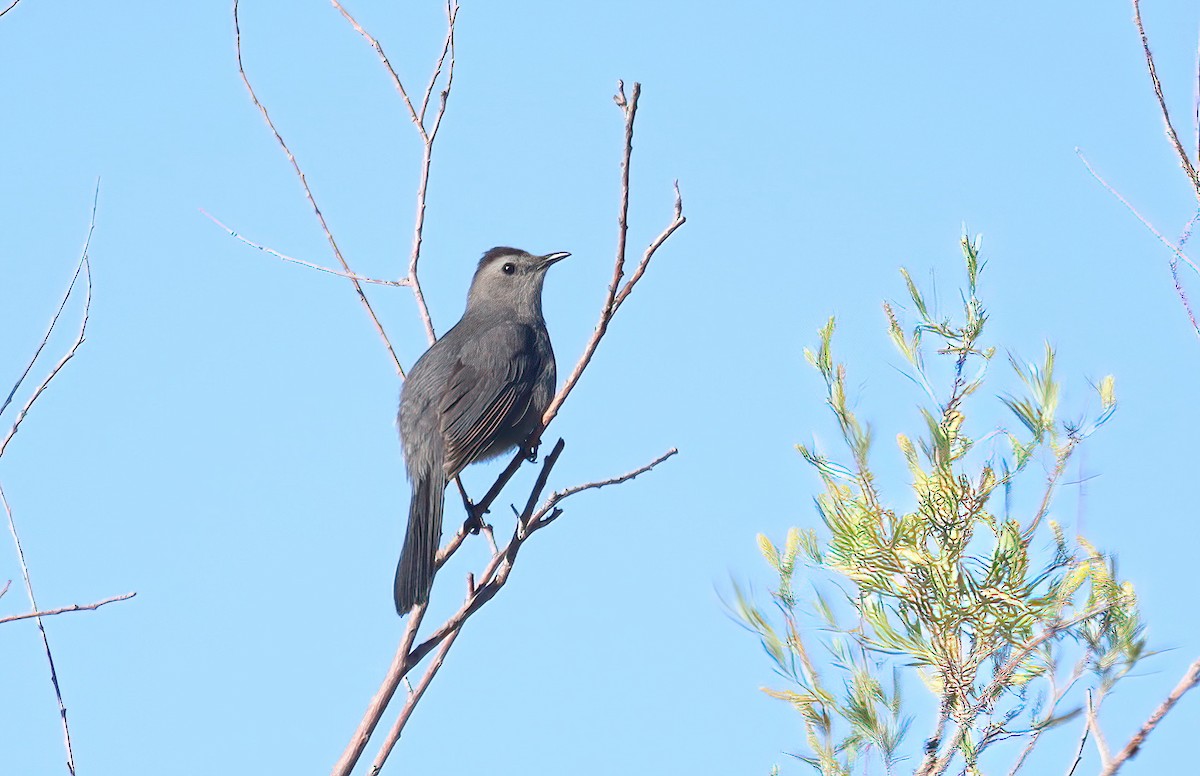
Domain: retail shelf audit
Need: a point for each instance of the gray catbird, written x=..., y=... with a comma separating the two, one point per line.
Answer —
x=478, y=392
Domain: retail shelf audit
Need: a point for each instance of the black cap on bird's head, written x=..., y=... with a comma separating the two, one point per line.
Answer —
x=511, y=277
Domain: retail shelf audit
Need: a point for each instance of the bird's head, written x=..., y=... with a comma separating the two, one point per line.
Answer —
x=511, y=278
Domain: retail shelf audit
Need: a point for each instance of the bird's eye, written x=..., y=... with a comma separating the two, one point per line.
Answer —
x=509, y=268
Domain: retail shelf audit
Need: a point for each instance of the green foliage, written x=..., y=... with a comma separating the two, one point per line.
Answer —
x=953, y=589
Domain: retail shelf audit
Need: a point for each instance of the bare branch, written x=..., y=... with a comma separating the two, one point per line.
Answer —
x=62, y=708
x=396, y=672
x=559, y=496
x=1172, y=136
x=1191, y=677
x=86, y=264
x=301, y=262
x=1176, y=250
x=1083, y=736
x=45, y=337
x=414, y=697
x=490, y=581
x=428, y=137
x=65, y=609
x=11, y=6
x=362, y=297
x=412, y=111
x=616, y=294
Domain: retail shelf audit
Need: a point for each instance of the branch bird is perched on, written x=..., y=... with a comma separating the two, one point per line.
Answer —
x=477, y=393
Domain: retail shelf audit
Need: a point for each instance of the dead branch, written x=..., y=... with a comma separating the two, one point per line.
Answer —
x=337, y=252
x=62, y=708
x=65, y=609
x=616, y=294
x=1172, y=136
x=493, y=577
x=45, y=338
x=1191, y=677
x=85, y=264
x=1177, y=253
x=11, y=6
x=428, y=137
x=301, y=262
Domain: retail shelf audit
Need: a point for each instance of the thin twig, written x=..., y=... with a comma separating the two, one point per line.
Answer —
x=560, y=495
x=1196, y=103
x=428, y=137
x=65, y=609
x=410, y=703
x=1191, y=677
x=396, y=672
x=1172, y=136
x=1083, y=737
x=85, y=263
x=616, y=294
x=1093, y=725
x=1176, y=250
x=301, y=262
x=1161, y=238
x=62, y=708
x=362, y=296
x=45, y=338
x=11, y=6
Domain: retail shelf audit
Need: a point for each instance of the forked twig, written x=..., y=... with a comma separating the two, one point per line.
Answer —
x=337, y=252
x=85, y=264
x=1177, y=253
x=428, y=138
x=62, y=707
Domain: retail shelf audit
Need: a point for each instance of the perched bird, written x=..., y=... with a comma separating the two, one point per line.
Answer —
x=478, y=392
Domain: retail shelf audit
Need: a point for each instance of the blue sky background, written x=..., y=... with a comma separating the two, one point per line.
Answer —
x=224, y=443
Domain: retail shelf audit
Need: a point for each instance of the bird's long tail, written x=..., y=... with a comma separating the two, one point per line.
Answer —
x=414, y=574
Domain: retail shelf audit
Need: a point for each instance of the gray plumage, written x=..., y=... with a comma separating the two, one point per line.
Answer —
x=478, y=392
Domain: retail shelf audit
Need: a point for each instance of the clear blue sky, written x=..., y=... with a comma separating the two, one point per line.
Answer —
x=224, y=443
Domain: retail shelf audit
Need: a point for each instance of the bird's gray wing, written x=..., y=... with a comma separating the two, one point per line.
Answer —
x=489, y=390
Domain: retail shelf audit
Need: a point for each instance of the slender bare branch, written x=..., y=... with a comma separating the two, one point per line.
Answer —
x=396, y=672
x=616, y=294
x=412, y=111
x=337, y=252
x=559, y=496
x=1083, y=737
x=266, y=249
x=1191, y=677
x=45, y=338
x=414, y=697
x=428, y=137
x=490, y=581
x=62, y=708
x=1176, y=250
x=1196, y=104
x=65, y=609
x=1184, y=160
x=11, y=6
x=85, y=263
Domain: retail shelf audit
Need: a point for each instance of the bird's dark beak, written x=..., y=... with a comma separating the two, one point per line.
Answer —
x=552, y=258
